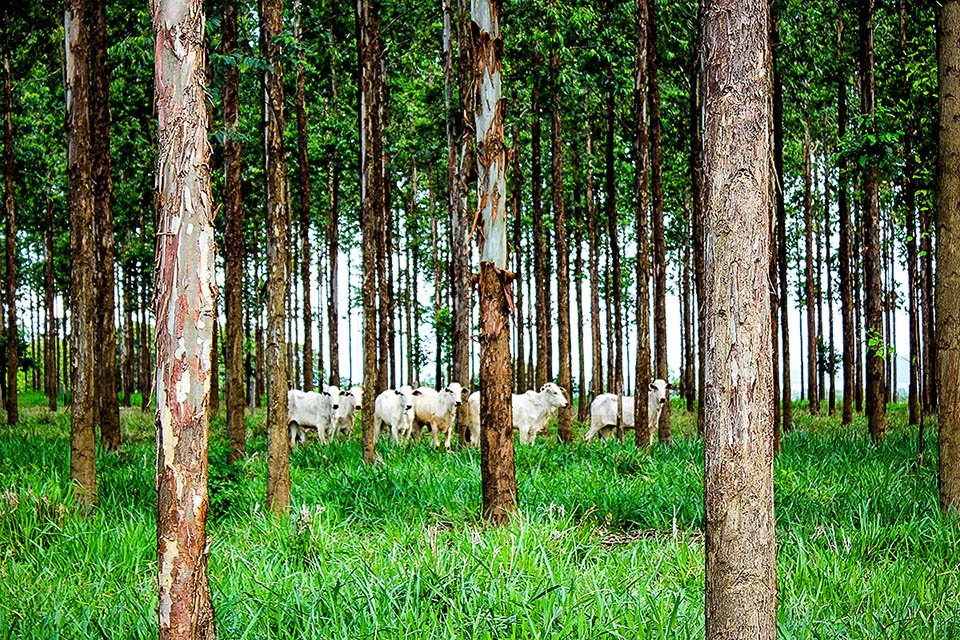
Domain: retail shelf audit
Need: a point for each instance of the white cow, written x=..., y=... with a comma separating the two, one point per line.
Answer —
x=394, y=407
x=311, y=409
x=531, y=412
x=603, y=411
x=436, y=410
x=342, y=424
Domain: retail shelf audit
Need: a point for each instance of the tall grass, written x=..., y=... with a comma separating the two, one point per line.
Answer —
x=608, y=544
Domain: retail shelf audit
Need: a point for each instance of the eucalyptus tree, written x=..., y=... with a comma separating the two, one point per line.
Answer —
x=185, y=302
x=497, y=466
x=948, y=257
x=642, y=263
x=738, y=490
x=82, y=251
x=277, y=229
x=10, y=230
x=870, y=212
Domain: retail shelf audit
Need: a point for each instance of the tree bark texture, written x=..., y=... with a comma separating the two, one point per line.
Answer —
x=303, y=164
x=696, y=188
x=497, y=467
x=948, y=256
x=843, y=222
x=10, y=230
x=372, y=214
x=233, y=243
x=515, y=195
x=278, y=258
x=641, y=167
x=565, y=414
x=740, y=547
x=83, y=333
x=659, y=242
x=106, y=367
x=540, y=237
x=786, y=392
x=873, y=301
x=810, y=289
x=610, y=203
x=50, y=342
x=593, y=259
x=186, y=293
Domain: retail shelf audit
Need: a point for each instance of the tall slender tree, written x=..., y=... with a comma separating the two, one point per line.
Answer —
x=659, y=241
x=303, y=165
x=277, y=231
x=565, y=414
x=185, y=307
x=497, y=468
x=83, y=302
x=333, y=222
x=372, y=213
x=809, y=263
x=234, y=241
x=948, y=257
x=873, y=302
x=108, y=410
x=641, y=166
x=593, y=259
x=843, y=222
x=781, y=214
x=10, y=230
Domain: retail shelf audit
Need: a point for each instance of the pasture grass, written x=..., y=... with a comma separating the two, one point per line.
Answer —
x=609, y=543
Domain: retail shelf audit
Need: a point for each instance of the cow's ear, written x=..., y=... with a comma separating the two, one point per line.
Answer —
x=417, y=392
x=652, y=387
x=397, y=391
x=543, y=388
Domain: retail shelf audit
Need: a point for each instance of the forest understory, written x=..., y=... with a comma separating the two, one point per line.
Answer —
x=608, y=544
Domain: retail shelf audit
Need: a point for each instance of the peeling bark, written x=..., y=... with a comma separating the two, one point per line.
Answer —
x=185, y=304
x=497, y=466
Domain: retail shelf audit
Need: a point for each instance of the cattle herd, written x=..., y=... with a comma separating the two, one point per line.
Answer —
x=409, y=412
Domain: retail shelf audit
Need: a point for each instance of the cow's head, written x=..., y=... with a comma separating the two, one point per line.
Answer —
x=456, y=390
x=357, y=393
x=657, y=391
x=333, y=393
x=554, y=394
x=406, y=394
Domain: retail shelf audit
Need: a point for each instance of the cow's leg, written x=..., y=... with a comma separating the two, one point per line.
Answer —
x=446, y=443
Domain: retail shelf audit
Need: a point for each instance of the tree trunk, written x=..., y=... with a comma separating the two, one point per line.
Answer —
x=497, y=468
x=303, y=164
x=333, y=227
x=12, y=355
x=741, y=587
x=843, y=222
x=948, y=259
x=565, y=414
x=584, y=399
x=659, y=242
x=83, y=329
x=278, y=260
x=810, y=290
x=642, y=15
x=129, y=343
x=827, y=237
x=50, y=343
x=106, y=360
x=910, y=218
x=372, y=215
x=610, y=203
x=787, y=394
x=696, y=188
x=873, y=304
x=596, y=382
x=186, y=294
x=233, y=243
x=214, y=403
x=521, y=374
x=540, y=239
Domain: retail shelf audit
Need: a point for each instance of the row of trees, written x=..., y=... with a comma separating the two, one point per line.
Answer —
x=725, y=197
x=569, y=66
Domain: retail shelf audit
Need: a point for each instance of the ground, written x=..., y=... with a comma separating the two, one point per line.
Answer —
x=609, y=542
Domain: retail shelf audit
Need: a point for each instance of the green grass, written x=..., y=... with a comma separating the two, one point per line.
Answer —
x=609, y=543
